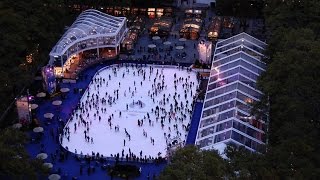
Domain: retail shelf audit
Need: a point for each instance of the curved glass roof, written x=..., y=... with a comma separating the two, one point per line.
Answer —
x=90, y=23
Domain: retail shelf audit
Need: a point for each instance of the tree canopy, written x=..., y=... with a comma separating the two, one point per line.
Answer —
x=27, y=29
x=190, y=163
x=14, y=160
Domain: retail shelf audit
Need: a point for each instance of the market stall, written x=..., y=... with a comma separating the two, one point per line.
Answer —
x=168, y=11
x=159, y=12
x=191, y=28
x=214, y=28
x=228, y=22
x=194, y=13
x=137, y=24
x=128, y=43
x=161, y=27
x=151, y=13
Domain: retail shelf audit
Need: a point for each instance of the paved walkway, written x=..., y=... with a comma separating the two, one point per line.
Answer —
x=194, y=123
x=190, y=49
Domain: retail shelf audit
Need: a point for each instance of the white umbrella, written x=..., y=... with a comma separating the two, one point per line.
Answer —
x=64, y=90
x=41, y=94
x=42, y=156
x=167, y=43
x=37, y=78
x=155, y=37
x=57, y=103
x=152, y=46
x=34, y=106
x=54, y=177
x=48, y=165
x=182, y=39
x=38, y=129
x=17, y=125
x=179, y=47
x=48, y=115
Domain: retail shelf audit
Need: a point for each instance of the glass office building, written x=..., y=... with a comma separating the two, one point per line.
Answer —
x=226, y=115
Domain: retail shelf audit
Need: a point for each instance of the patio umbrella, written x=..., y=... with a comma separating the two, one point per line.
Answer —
x=38, y=78
x=155, y=37
x=48, y=165
x=38, y=129
x=64, y=90
x=34, y=106
x=179, y=47
x=57, y=103
x=54, y=177
x=17, y=126
x=42, y=156
x=182, y=39
x=167, y=43
x=41, y=94
x=152, y=46
x=48, y=115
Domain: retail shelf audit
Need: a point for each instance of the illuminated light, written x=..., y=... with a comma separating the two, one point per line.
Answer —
x=216, y=69
x=29, y=58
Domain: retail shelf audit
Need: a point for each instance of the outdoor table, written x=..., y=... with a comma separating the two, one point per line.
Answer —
x=34, y=106
x=54, y=177
x=48, y=165
x=152, y=46
x=182, y=39
x=38, y=129
x=155, y=37
x=17, y=126
x=64, y=90
x=167, y=43
x=48, y=115
x=57, y=103
x=42, y=156
x=41, y=94
x=179, y=47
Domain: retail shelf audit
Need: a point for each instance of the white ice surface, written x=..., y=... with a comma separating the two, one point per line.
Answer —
x=106, y=140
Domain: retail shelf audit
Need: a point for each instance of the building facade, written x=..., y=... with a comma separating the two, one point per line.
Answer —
x=191, y=3
x=94, y=32
x=226, y=115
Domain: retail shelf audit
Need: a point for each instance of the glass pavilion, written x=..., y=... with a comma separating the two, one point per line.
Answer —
x=230, y=93
x=92, y=30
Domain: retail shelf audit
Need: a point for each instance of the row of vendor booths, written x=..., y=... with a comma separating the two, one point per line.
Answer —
x=217, y=24
x=132, y=11
x=136, y=26
x=191, y=28
x=195, y=13
x=129, y=11
x=193, y=23
x=161, y=27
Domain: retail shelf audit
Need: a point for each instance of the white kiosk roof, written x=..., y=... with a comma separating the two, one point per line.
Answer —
x=89, y=24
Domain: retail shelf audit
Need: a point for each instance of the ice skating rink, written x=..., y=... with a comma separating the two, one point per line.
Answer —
x=132, y=110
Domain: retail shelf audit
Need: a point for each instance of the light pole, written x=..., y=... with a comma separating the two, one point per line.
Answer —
x=29, y=109
x=207, y=46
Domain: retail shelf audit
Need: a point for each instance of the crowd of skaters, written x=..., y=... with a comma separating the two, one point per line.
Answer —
x=95, y=107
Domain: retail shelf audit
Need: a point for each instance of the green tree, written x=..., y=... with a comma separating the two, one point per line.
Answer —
x=292, y=85
x=190, y=163
x=14, y=160
x=27, y=27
